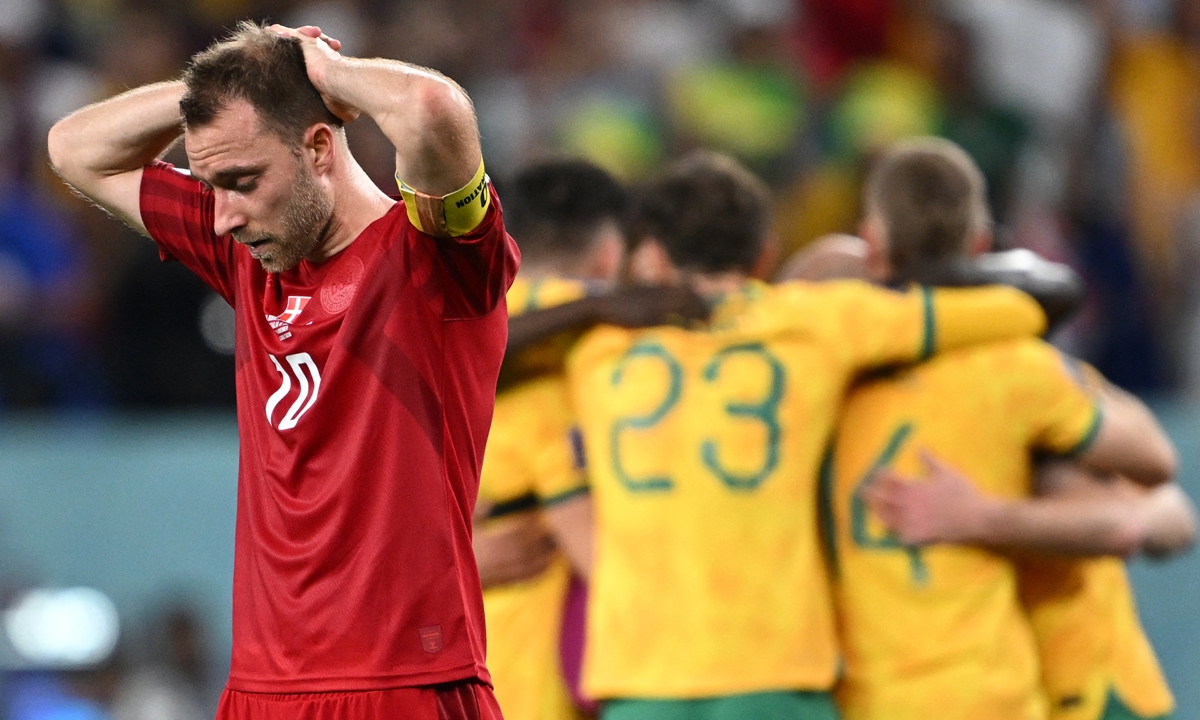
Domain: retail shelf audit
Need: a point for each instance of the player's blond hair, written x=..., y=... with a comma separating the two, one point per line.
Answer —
x=932, y=199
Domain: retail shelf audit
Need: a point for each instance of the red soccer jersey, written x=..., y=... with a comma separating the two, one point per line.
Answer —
x=364, y=393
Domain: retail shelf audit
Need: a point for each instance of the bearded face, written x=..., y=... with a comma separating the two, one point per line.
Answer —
x=264, y=193
x=303, y=221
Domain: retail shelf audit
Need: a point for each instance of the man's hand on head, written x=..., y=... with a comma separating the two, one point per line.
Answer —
x=321, y=53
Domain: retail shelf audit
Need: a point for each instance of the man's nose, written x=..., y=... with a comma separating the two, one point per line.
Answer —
x=228, y=215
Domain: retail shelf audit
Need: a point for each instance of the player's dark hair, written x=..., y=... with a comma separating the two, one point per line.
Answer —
x=931, y=197
x=710, y=213
x=555, y=207
x=262, y=68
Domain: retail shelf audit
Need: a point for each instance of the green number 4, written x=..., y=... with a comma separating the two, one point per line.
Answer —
x=859, y=529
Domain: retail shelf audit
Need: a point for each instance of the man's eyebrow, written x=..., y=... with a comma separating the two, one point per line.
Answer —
x=230, y=173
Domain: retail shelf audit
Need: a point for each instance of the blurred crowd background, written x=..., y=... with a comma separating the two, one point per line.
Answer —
x=1084, y=115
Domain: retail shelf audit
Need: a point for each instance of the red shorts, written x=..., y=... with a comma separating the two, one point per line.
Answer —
x=465, y=700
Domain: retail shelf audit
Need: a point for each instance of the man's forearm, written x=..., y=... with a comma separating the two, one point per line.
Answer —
x=528, y=329
x=116, y=135
x=1071, y=526
x=427, y=117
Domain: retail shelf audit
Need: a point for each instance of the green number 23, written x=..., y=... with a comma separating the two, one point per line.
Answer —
x=765, y=411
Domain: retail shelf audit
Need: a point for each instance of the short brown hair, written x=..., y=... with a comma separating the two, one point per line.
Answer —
x=932, y=198
x=710, y=213
x=262, y=68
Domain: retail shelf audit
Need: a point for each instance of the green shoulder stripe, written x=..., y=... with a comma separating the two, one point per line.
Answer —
x=562, y=497
x=928, y=344
x=1090, y=436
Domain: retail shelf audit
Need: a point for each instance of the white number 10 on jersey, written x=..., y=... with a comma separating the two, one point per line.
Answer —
x=300, y=365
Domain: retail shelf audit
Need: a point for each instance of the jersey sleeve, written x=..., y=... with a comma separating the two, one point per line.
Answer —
x=478, y=267
x=1064, y=413
x=880, y=327
x=531, y=449
x=178, y=213
x=557, y=455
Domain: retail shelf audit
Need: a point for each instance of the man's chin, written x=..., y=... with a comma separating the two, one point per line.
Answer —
x=276, y=265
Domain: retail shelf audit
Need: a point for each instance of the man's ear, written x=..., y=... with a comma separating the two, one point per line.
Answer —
x=873, y=232
x=651, y=264
x=606, y=255
x=319, y=141
x=768, y=258
x=980, y=243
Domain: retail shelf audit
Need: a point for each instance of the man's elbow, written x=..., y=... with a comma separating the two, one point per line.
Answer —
x=1163, y=464
x=1126, y=536
x=1171, y=518
x=62, y=146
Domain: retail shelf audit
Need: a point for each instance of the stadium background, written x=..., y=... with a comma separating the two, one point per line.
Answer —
x=117, y=436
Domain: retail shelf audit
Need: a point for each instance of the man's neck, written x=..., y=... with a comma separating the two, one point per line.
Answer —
x=715, y=285
x=357, y=202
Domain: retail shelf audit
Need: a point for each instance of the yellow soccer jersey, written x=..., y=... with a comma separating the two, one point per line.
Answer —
x=703, y=450
x=531, y=461
x=1090, y=640
x=939, y=632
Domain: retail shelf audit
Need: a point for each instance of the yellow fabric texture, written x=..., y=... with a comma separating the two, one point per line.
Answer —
x=529, y=452
x=1090, y=639
x=703, y=450
x=452, y=215
x=939, y=631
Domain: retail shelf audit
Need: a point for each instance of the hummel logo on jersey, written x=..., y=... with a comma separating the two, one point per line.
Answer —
x=282, y=323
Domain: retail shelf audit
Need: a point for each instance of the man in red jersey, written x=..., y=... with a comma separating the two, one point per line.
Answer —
x=369, y=338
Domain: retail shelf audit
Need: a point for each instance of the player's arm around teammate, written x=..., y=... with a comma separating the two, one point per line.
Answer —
x=1080, y=509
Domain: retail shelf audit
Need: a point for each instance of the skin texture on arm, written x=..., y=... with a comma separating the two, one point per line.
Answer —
x=1130, y=440
x=1078, y=514
x=631, y=306
x=100, y=150
x=1165, y=514
x=511, y=549
x=426, y=116
x=571, y=523
x=520, y=546
x=552, y=331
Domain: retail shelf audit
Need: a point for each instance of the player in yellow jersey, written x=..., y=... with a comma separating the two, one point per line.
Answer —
x=709, y=595
x=939, y=631
x=1096, y=662
x=565, y=215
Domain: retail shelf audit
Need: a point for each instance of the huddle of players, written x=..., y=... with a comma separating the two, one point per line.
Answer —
x=750, y=547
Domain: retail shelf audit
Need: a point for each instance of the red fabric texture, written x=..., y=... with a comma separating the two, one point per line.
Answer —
x=365, y=387
x=457, y=701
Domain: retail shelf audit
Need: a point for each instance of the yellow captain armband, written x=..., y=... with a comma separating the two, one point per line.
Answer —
x=451, y=215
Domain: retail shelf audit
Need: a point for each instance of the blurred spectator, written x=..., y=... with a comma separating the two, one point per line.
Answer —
x=1051, y=98
x=51, y=697
x=173, y=685
x=47, y=355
